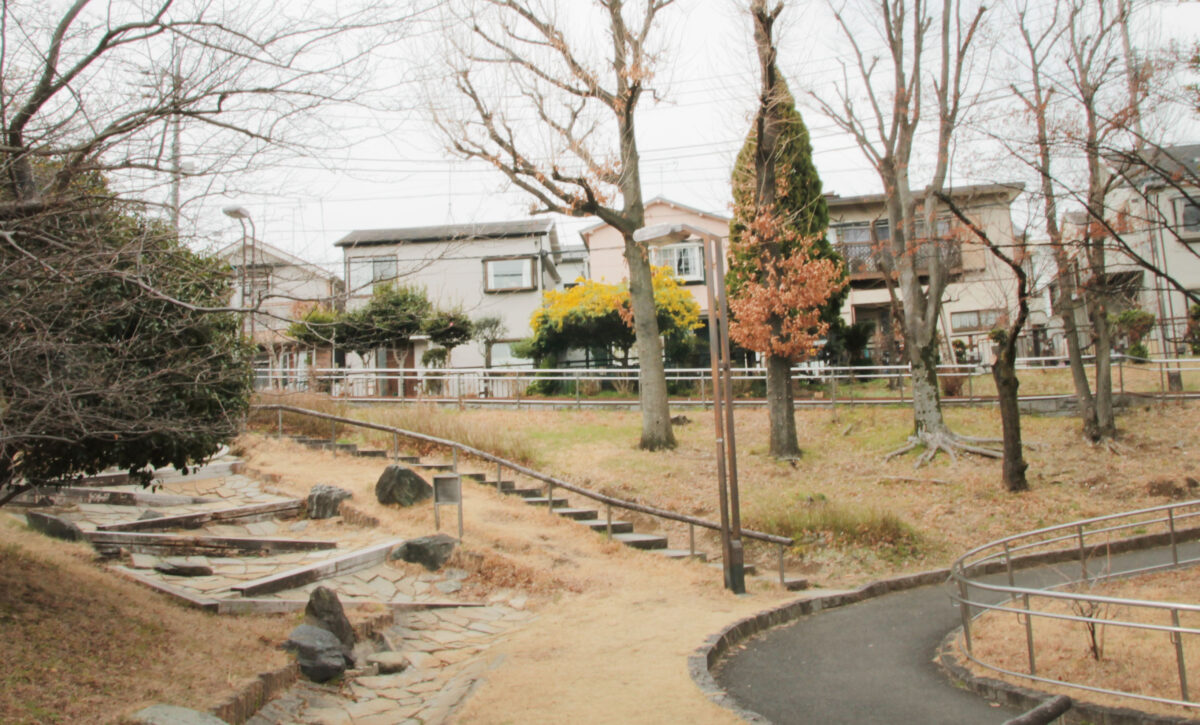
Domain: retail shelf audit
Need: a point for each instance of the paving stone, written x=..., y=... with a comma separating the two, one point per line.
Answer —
x=449, y=586
x=371, y=707
x=142, y=561
x=327, y=716
x=382, y=682
x=445, y=636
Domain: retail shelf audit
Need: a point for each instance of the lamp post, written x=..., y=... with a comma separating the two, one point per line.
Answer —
x=242, y=215
x=733, y=557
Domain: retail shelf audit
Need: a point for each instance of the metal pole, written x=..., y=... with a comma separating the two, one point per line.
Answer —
x=499, y=477
x=395, y=448
x=333, y=437
x=608, y=520
x=964, y=611
x=691, y=539
x=782, y=578
x=1177, y=639
x=549, y=497
x=1082, y=553
x=279, y=422
x=1174, y=547
x=1029, y=637
x=458, y=483
x=454, y=459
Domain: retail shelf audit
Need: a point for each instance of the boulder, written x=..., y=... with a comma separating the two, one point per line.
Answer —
x=54, y=526
x=324, y=501
x=324, y=610
x=430, y=552
x=182, y=567
x=319, y=653
x=402, y=485
x=172, y=715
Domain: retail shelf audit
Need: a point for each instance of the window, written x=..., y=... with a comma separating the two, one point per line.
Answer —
x=508, y=274
x=685, y=260
x=256, y=284
x=364, y=274
x=1187, y=216
x=975, y=320
x=503, y=357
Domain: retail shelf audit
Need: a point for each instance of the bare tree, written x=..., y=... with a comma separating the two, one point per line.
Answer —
x=1087, y=142
x=886, y=132
x=575, y=152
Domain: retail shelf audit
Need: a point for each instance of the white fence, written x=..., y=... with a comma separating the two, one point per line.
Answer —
x=616, y=386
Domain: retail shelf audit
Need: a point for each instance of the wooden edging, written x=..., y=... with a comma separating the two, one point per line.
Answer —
x=701, y=662
x=321, y=570
x=140, y=541
x=251, y=512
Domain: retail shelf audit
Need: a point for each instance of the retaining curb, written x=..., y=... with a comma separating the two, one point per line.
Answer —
x=708, y=655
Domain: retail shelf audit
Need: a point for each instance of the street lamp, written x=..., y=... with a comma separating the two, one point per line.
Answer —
x=242, y=215
x=733, y=558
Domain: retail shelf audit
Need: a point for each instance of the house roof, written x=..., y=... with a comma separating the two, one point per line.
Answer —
x=232, y=254
x=1160, y=166
x=445, y=232
x=971, y=190
x=662, y=201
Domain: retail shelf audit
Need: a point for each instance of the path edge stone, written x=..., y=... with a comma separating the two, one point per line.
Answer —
x=702, y=661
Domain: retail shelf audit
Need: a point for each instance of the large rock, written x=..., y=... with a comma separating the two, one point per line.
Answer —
x=324, y=610
x=430, y=552
x=324, y=501
x=319, y=652
x=172, y=715
x=402, y=485
x=54, y=526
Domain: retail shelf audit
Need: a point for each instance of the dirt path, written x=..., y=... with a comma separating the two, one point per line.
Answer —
x=614, y=628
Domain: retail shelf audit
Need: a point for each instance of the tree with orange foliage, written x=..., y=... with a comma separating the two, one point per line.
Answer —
x=783, y=273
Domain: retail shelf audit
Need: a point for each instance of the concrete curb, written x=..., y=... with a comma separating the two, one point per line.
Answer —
x=1026, y=698
x=707, y=656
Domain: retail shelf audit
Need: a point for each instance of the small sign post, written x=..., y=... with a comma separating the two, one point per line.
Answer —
x=447, y=491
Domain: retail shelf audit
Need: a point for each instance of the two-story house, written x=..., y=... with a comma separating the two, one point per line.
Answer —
x=1156, y=211
x=488, y=269
x=281, y=287
x=981, y=293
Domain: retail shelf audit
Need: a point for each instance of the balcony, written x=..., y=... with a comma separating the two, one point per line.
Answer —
x=865, y=261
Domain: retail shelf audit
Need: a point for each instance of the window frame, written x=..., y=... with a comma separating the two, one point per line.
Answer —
x=1190, y=232
x=694, y=247
x=979, y=326
x=530, y=270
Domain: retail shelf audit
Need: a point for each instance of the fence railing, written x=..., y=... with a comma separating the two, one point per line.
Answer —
x=551, y=482
x=1089, y=544
x=815, y=383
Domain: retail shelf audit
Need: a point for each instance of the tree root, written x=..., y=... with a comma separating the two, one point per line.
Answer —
x=950, y=443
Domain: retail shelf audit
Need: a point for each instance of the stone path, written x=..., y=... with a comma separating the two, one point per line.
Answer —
x=447, y=654
x=444, y=644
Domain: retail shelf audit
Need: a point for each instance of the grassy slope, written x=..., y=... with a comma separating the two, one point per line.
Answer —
x=82, y=645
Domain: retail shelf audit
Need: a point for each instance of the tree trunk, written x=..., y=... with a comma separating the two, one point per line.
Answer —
x=927, y=401
x=1106, y=426
x=1005, y=375
x=652, y=379
x=781, y=408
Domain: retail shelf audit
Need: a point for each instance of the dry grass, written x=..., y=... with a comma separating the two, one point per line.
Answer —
x=1138, y=661
x=82, y=645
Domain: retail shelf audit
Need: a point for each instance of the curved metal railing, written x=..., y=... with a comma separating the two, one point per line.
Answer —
x=1084, y=542
x=551, y=482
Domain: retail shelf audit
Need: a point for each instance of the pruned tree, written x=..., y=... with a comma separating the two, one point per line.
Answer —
x=489, y=330
x=558, y=122
x=783, y=271
x=1004, y=366
x=886, y=132
x=390, y=319
x=448, y=328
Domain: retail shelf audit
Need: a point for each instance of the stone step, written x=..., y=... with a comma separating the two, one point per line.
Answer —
x=524, y=492
x=618, y=527
x=642, y=541
x=542, y=501
x=748, y=568
x=682, y=554
x=336, y=566
x=577, y=514
x=476, y=477
x=288, y=508
x=372, y=453
x=432, y=466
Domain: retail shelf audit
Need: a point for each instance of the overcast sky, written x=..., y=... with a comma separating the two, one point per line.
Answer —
x=394, y=171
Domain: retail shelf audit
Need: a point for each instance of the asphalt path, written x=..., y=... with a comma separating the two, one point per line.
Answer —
x=871, y=663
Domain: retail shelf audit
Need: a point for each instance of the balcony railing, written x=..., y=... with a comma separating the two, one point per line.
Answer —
x=867, y=259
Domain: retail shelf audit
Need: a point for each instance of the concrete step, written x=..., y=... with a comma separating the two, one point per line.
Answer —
x=642, y=541
x=542, y=501
x=505, y=485
x=371, y=453
x=682, y=554
x=748, y=569
x=577, y=514
x=476, y=477
x=432, y=466
x=618, y=527
x=524, y=492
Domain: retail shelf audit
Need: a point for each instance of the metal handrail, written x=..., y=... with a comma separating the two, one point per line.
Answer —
x=965, y=570
x=528, y=472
